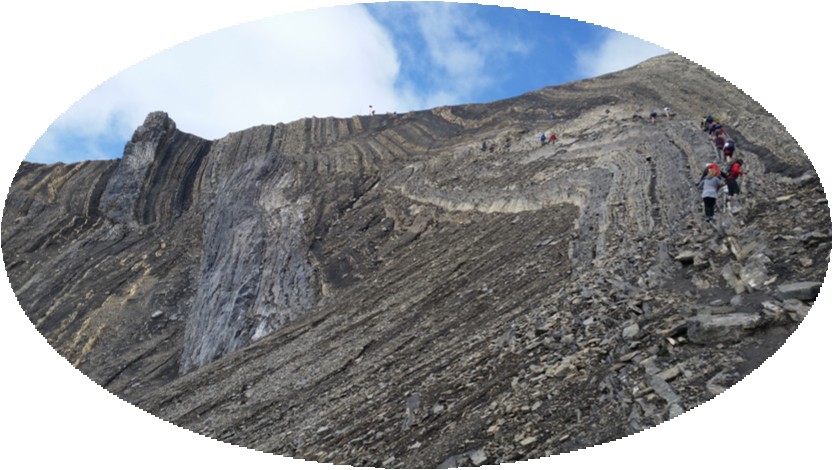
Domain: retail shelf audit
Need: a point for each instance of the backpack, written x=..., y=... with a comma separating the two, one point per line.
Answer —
x=730, y=145
x=736, y=170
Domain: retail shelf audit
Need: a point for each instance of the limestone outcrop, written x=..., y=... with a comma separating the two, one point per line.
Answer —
x=430, y=289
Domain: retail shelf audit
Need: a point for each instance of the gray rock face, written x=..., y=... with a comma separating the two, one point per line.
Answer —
x=254, y=273
x=150, y=153
x=428, y=289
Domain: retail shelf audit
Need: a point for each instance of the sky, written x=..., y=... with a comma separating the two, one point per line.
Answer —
x=338, y=61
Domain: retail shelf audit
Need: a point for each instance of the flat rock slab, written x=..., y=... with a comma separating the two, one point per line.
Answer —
x=800, y=290
x=708, y=329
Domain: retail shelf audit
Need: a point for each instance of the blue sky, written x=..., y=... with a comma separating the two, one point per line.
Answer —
x=339, y=61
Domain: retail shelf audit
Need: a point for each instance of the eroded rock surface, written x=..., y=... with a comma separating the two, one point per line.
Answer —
x=430, y=289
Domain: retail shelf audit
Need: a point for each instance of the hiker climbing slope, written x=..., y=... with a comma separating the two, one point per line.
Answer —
x=709, y=187
x=733, y=175
x=729, y=149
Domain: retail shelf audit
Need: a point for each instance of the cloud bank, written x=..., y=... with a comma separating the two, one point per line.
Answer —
x=273, y=70
x=464, y=48
x=615, y=52
x=335, y=61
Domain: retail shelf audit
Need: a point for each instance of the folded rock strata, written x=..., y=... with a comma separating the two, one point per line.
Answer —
x=428, y=289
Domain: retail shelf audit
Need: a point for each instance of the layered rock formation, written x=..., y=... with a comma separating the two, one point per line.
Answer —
x=431, y=289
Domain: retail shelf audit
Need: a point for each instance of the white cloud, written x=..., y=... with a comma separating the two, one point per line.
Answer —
x=616, y=52
x=462, y=48
x=327, y=62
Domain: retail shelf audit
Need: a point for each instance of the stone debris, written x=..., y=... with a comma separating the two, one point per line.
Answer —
x=796, y=309
x=475, y=457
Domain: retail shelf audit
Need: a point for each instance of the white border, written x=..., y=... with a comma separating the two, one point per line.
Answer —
x=53, y=52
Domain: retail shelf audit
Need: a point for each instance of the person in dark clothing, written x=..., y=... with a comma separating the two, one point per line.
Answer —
x=719, y=142
x=729, y=149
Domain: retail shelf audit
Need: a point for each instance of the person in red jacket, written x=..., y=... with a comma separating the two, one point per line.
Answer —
x=732, y=176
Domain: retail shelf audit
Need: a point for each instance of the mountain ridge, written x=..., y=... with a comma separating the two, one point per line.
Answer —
x=437, y=286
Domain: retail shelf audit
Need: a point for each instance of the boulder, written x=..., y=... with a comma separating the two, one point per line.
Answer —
x=630, y=332
x=754, y=273
x=796, y=309
x=731, y=327
x=686, y=257
x=800, y=290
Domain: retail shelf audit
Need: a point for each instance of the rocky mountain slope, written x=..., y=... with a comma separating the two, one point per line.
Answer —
x=431, y=289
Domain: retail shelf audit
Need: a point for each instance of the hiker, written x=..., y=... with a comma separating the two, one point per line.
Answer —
x=543, y=138
x=729, y=149
x=653, y=117
x=727, y=166
x=707, y=123
x=719, y=142
x=553, y=138
x=667, y=111
x=709, y=187
x=733, y=172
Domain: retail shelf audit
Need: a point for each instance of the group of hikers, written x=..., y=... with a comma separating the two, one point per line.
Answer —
x=552, y=138
x=715, y=178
